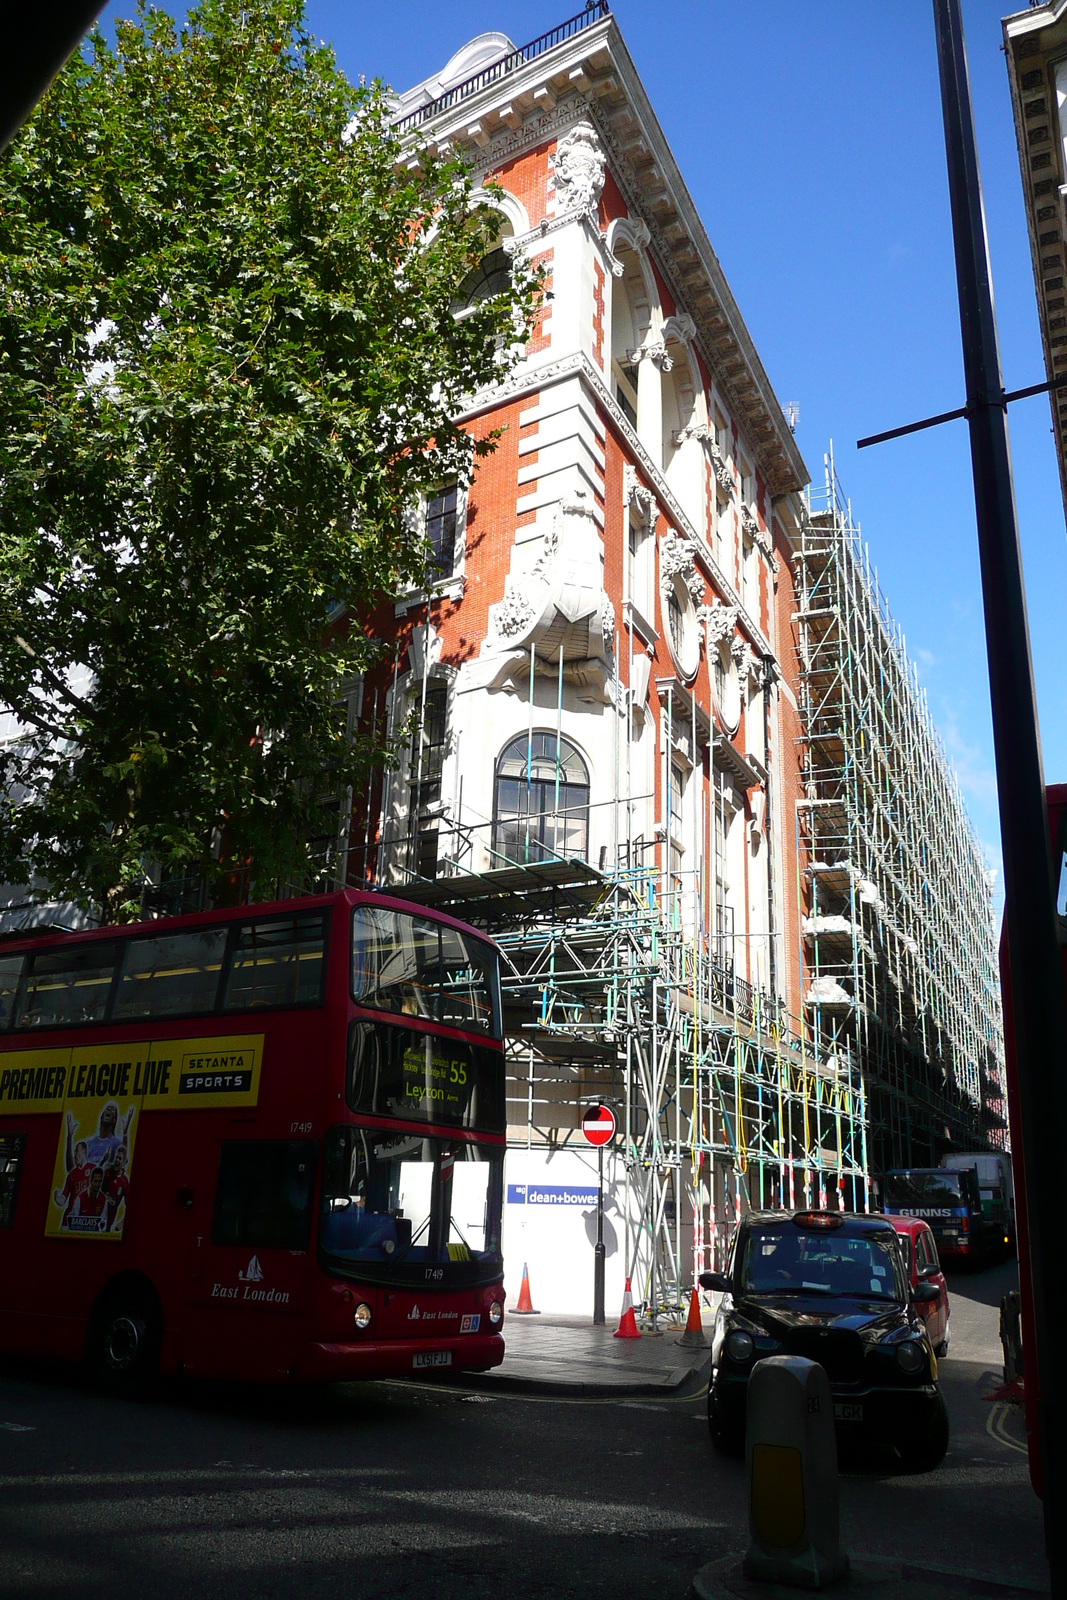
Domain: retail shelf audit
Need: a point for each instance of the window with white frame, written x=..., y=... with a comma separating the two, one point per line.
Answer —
x=749, y=575
x=676, y=793
x=639, y=557
x=490, y=277
x=442, y=528
x=426, y=759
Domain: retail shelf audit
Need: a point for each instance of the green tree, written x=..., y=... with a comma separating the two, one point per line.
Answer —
x=228, y=361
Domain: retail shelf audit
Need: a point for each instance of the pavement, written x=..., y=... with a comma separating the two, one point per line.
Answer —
x=564, y=1356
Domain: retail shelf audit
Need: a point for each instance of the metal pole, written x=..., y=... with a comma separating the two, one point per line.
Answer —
x=598, y=1253
x=1030, y=910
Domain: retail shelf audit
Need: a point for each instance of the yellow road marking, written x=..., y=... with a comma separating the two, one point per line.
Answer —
x=996, y=1428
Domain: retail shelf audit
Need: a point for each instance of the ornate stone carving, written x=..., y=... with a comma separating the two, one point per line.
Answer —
x=654, y=350
x=634, y=493
x=692, y=430
x=719, y=622
x=559, y=607
x=748, y=662
x=514, y=613
x=607, y=622
x=579, y=168
x=719, y=466
x=676, y=561
x=749, y=525
x=683, y=325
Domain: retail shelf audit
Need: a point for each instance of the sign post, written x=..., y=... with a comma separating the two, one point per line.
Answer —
x=598, y=1126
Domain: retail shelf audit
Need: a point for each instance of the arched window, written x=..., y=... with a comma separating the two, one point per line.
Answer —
x=491, y=276
x=541, y=803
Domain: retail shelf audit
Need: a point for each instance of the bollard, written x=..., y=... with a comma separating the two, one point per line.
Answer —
x=1011, y=1336
x=791, y=1454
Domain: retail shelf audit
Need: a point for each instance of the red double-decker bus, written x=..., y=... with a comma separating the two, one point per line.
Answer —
x=264, y=1143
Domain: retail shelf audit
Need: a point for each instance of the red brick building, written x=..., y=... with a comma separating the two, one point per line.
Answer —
x=599, y=681
x=628, y=543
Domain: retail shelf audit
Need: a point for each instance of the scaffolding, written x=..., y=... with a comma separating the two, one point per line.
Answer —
x=616, y=989
x=894, y=895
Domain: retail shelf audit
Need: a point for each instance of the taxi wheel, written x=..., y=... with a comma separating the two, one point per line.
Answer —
x=125, y=1334
x=926, y=1449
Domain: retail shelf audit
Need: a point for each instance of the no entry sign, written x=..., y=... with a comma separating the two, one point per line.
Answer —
x=598, y=1125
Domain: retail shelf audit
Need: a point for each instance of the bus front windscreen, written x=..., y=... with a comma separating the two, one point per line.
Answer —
x=403, y=1209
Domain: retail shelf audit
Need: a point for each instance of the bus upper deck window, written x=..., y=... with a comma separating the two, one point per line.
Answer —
x=420, y=968
x=10, y=973
x=395, y=962
x=278, y=962
x=174, y=975
x=68, y=985
x=466, y=993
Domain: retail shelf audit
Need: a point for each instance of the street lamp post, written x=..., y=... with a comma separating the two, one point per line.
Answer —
x=1029, y=886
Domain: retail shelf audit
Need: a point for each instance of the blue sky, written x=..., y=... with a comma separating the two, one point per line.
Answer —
x=810, y=137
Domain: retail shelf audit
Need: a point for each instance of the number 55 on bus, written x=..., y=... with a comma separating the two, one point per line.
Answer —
x=264, y=1143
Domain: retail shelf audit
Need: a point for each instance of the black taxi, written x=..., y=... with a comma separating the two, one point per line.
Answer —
x=828, y=1285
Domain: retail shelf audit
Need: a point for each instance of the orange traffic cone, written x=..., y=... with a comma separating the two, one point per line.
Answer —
x=525, y=1305
x=694, y=1328
x=627, y=1328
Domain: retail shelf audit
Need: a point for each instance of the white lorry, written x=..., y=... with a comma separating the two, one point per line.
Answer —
x=993, y=1168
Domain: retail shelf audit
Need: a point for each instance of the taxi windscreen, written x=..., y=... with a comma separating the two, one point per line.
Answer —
x=790, y=1261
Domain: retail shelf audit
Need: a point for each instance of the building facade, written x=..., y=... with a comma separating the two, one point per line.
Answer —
x=1035, y=49
x=600, y=702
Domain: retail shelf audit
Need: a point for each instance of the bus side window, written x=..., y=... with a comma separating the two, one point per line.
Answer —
x=12, y=1146
x=263, y=1197
x=174, y=975
x=277, y=962
x=10, y=973
x=66, y=986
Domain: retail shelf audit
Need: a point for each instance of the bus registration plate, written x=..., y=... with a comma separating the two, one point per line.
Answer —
x=432, y=1358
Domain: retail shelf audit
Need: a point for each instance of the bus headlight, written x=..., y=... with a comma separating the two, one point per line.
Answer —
x=363, y=1315
x=911, y=1357
x=496, y=1313
x=739, y=1345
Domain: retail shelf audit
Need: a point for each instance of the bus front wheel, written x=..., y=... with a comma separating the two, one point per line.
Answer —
x=124, y=1339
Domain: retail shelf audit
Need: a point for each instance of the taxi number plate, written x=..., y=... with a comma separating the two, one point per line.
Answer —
x=848, y=1411
x=432, y=1358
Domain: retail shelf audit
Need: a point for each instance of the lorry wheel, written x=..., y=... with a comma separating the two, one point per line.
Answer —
x=124, y=1339
x=927, y=1449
